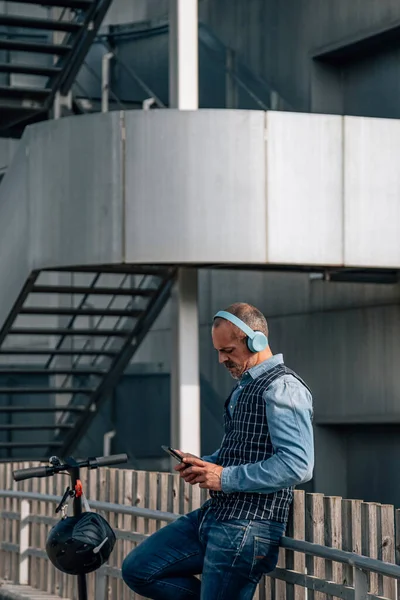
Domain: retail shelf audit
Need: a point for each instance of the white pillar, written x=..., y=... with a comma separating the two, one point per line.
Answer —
x=183, y=55
x=185, y=387
x=185, y=380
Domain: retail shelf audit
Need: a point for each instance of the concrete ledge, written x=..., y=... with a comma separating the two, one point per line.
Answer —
x=12, y=591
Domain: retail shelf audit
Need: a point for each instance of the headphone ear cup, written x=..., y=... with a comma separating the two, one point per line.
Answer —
x=258, y=343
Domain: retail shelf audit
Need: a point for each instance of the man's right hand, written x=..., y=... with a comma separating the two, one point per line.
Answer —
x=182, y=467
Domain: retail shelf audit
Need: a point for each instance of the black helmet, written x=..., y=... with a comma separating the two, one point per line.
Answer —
x=78, y=545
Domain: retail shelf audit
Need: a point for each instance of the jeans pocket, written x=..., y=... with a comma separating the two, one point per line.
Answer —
x=265, y=557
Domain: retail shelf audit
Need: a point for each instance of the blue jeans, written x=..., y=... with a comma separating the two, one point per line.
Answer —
x=231, y=556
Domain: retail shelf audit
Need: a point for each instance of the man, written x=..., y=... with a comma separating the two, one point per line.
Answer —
x=233, y=539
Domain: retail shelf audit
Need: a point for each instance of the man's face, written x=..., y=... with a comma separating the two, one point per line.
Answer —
x=233, y=353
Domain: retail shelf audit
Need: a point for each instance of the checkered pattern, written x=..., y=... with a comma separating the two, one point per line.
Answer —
x=247, y=440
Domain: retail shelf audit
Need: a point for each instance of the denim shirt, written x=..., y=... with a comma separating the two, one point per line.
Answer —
x=289, y=410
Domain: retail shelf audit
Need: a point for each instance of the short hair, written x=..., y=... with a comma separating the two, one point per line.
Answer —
x=248, y=314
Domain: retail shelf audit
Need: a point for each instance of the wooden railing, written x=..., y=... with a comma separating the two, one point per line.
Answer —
x=137, y=503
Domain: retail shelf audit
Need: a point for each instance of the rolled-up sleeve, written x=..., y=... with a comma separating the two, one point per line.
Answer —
x=289, y=412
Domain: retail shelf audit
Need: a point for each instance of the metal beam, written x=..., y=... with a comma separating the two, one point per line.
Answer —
x=158, y=271
x=42, y=409
x=80, y=312
x=310, y=582
x=67, y=332
x=185, y=377
x=360, y=46
x=183, y=55
x=8, y=445
x=26, y=427
x=336, y=555
x=72, y=4
x=45, y=390
x=35, y=23
x=11, y=371
x=60, y=352
x=98, y=290
x=19, y=46
x=26, y=69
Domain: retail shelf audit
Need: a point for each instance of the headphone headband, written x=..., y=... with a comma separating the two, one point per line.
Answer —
x=223, y=314
x=256, y=340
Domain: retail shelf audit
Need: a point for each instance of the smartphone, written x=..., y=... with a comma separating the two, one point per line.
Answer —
x=172, y=453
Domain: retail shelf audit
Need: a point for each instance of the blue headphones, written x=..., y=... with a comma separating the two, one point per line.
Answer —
x=256, y=340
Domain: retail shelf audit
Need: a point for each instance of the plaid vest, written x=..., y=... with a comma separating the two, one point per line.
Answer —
x=247, y=440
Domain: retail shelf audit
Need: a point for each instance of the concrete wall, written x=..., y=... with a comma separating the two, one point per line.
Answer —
x=8, y=148
x=277, y=38
x=125, y=11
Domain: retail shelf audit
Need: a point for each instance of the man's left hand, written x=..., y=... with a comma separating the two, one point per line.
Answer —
x=207, y=475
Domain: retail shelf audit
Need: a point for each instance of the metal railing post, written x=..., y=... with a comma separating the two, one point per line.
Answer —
x=148, y=103
x=360, y=584
x=62, y=105
x=100, y=584
x=23, y=572
x=105, y=80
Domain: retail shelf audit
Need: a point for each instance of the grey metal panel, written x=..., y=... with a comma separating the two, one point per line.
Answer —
x=195, y=186
x=304, y=188
x=372, y=191
x=8, y=148
x=126, y=11
x=147, y=57
x=14, y=219
x=357, y=353
x=275, y=39
x=75, y=168
x=331, y=459
x=371, y=87
x=373, y=467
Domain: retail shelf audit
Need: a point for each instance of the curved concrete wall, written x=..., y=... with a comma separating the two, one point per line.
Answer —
x=195, y=187
x=205, y=187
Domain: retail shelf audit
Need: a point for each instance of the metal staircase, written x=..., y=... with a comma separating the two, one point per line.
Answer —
x=68, y=339
x=54, y=46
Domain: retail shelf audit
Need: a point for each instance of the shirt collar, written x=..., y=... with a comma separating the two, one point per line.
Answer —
x=263, y=367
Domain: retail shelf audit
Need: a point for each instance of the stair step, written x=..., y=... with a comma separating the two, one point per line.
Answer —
x=73, y=4
x=58, y=352
x=82, y=289
x=81, y=312
x=24, y=92
x=45, y=390
x=67, y=331
x=42, y=24
x=30, y=427
x=18, y=46
x=43, y=409
x=11, y=372
x=25, y=69
x=120, y=270
x=48, y=444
